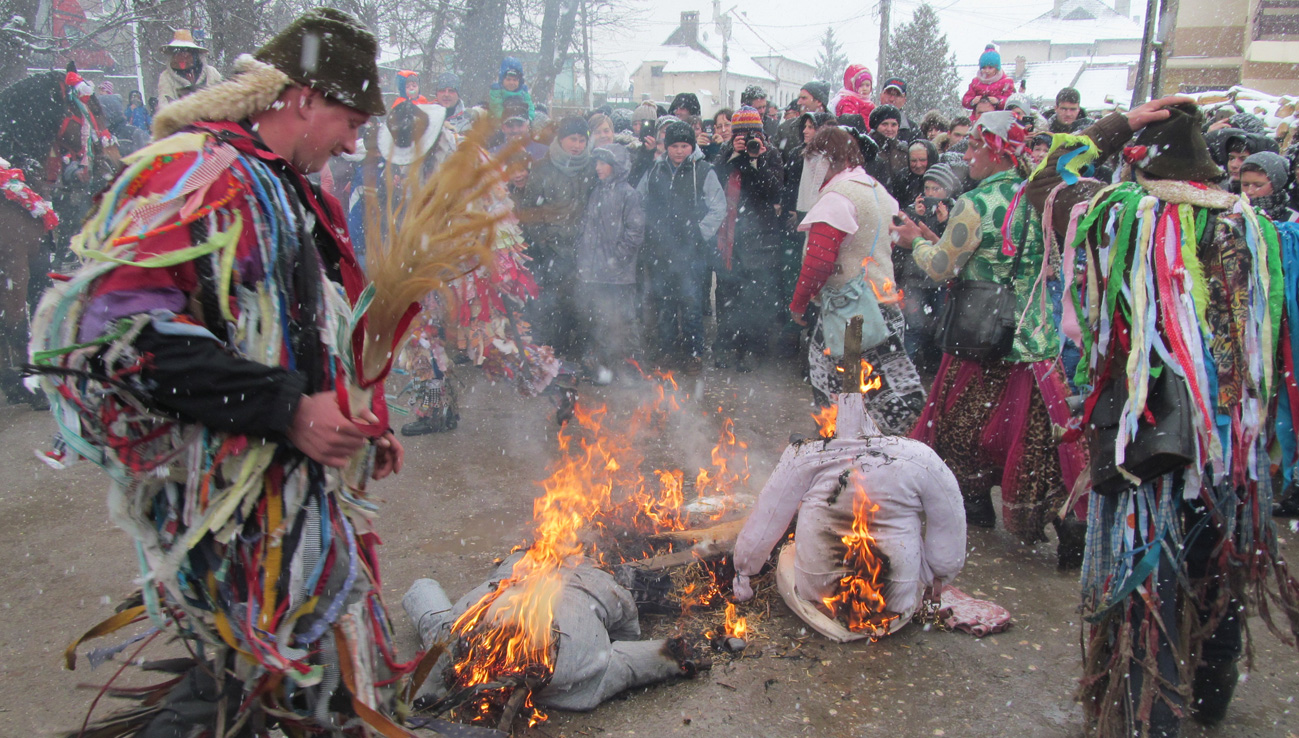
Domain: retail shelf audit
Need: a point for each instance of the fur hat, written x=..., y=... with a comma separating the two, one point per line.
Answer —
x=819, y=90
x=687, y=100
x=330, y=51
x=990, y=57
x=1175, y=148
x=746, y=121
x=678, y=132
x=883, y=113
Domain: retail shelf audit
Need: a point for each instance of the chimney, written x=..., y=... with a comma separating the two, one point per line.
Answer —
x=1021, y=67
x=690, y=27
x=1123, y=8
x=1055, y=11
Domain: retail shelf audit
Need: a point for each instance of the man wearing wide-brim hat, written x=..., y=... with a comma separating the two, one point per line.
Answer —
x=187, y=68
x=217, y=279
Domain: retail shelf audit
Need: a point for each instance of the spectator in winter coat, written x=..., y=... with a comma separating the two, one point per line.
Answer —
x=1022, y=108
x=1230, y=147
x=136, y=112
x=885, y=124
x=814, y=97
x=922, y=297
x=407, y=83
x=855, y=96
x=958, y=133
x=1041, y=144
x=909, y=184
x=602, y=134
x=1069, y=117
x=553, y=205
x=446, y=92
x=748, y=244
x=510, y=85
x=990, y=83
x=1263, y=177
x=684, y=206
x=188, y=70
x=720, y=143
x=613, y=229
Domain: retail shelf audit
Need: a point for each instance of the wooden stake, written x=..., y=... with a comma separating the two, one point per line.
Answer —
x=852, y=355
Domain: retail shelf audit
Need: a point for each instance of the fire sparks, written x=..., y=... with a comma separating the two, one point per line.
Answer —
x=736, y=627
x=859, y=598
x=507, y=640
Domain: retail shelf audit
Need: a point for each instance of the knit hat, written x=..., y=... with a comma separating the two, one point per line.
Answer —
x=644, y=112
x=106, y=87
x=819, y=90
x=751, y=93
x=1275, y=166
x=746, y=121
x=1021, y=101
x=943, y=176
x=1174, y=148
x=447, y=81
x=883, y=113
x=1001, y=132
x=330, y=51
x=990, y=57
x=687, y=100
x=855, y=76
x=661, y=123
x=678, y=132
x=571, y=126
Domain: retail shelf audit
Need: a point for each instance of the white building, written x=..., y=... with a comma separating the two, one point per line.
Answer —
x=1073, y=28
x=690, y=60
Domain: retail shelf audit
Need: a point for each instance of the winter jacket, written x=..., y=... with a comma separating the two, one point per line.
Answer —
x=139, y=117
x=999, y=89
x=684, y=206
x=892, y=158
x=847, y=102
x=554, y=201
x=613, y=228
x=498, y=95
x=907, y=185
x=172, y=86
x=1082, y=122
x=750, y=235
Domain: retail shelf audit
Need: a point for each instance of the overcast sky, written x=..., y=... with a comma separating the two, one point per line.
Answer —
x=794, y=28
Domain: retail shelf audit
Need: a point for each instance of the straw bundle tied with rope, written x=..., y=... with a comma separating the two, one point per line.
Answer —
x=431, y=232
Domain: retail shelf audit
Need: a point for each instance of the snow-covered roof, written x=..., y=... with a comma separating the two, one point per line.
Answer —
x=1078, y=22
x=686, y=60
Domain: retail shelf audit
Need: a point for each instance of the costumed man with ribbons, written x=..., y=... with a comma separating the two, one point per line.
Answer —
x=1180, y=316
x=207, y=356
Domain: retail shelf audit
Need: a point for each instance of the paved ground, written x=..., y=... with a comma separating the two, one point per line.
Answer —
x=465, y=499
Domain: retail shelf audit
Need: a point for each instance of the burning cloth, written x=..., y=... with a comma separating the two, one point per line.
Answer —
x=916, y=522
x=598, y=654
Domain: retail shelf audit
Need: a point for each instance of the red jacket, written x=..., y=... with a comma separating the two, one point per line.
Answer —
x=999, y=90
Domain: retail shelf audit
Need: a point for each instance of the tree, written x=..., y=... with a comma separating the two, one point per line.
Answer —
x=920, y=55
x=831, y=61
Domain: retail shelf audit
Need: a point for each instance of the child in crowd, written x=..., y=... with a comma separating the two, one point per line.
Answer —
x=990, y=84
x=855, y=97
x=612, y=231
x=510, y=86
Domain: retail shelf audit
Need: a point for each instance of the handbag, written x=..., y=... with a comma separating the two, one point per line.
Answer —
x=1157, y=449
x=978, y=320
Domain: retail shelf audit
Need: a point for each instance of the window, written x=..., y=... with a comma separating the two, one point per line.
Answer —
x=656, y=70
x=1277, y=20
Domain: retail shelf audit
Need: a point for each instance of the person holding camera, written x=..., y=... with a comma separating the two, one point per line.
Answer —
x=748, y=244
x=991, y=412
x=923, y=298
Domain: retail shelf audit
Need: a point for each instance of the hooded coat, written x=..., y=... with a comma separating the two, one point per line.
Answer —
x=613, y=227
x=498, y=95
x=555, y=200
x=849, y=100
x=906, y=185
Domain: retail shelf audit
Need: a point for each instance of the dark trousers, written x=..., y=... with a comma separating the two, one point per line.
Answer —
x=678, y=296
x=554, y=314
x=747, y=303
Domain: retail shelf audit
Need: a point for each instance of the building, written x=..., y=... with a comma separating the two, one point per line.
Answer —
x=690, y=60
x=1103, y=82
x=1074, y=28
x=1216, y=44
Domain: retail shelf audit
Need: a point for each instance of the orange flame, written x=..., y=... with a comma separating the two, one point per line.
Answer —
x=509, y=636
x=825, y=419
x=859, y=597
x=736, y=627
x=870, y=381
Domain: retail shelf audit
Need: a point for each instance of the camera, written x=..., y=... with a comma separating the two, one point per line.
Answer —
x=931, y=204
x=709, y=128
x=753, y=147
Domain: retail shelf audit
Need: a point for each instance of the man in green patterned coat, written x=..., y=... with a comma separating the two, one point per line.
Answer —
x=991, y=421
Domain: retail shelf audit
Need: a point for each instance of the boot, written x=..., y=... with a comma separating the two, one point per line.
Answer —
x=1072, y=536
x=1215, y=682
x=980, y=513
x=431, y=423
x=1287, y=506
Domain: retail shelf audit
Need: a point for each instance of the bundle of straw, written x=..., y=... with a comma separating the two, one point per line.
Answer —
x=425, y=235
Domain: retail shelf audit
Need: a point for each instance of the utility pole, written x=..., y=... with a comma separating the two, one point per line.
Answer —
x=722, y=22
x=885, y=7
x=586, y=56
x=1141, y=85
